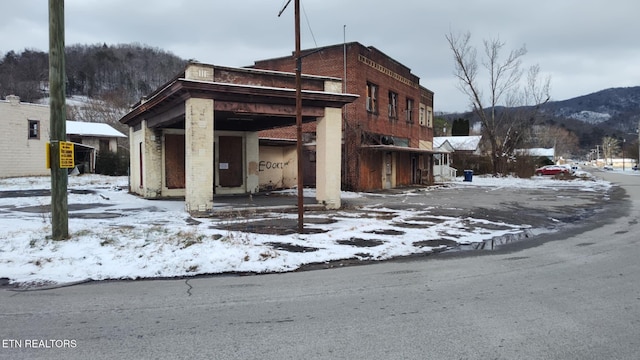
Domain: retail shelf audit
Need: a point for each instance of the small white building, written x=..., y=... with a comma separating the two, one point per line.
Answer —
x=23, y=139
x=446, y=145
x=25, y=133
x=549, y=153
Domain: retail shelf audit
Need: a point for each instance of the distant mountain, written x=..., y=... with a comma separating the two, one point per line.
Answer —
x=615, y=108
x=611, y=112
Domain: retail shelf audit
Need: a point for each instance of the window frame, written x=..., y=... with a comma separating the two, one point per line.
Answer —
x=410, y=103
x=393, y=105
x=33, y=132
x=372, y=98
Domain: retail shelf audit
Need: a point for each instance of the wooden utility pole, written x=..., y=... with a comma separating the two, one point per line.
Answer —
x=57, y=117
x=299, y=119
x=298, y=59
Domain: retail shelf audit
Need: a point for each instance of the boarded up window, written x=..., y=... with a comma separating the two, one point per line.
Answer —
x=230, y=165
x=174, y=161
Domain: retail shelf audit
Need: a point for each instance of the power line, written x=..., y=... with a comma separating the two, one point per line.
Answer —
x=309, y=25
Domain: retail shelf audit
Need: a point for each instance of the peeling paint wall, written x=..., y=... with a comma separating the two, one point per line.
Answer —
x=277, y=167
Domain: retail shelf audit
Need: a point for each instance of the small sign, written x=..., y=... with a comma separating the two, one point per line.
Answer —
x=47, y=150
x=67, y=160
x=224, y=166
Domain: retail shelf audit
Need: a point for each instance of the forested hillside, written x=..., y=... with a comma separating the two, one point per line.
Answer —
x=120, y=74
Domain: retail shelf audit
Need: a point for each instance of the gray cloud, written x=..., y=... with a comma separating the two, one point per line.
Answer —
x=584, y=45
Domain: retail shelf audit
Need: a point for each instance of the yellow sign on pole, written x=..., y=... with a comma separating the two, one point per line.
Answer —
x=67, y=160
x=48, y=155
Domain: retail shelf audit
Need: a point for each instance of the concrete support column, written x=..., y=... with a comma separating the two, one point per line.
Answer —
x=152, y=163
x=253, y=159
x=328, y=158
x=199, y=159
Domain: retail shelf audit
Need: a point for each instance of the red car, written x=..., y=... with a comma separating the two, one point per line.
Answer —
x=552, y=170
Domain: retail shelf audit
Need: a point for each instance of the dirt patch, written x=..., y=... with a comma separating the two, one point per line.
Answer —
x=436, y=243
x=358, y=242
x=47, y=208
x=291, y=247
x=275, y=226
x=38, y=192
x=386, y=232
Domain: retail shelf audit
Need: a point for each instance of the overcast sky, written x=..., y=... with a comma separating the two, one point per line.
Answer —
x=584, y=45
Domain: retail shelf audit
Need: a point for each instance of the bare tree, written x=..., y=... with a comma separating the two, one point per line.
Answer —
x=610, y=147
x=509, y=110
x=565, y=142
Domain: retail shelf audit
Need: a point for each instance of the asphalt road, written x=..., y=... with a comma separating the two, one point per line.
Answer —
x=573, y=295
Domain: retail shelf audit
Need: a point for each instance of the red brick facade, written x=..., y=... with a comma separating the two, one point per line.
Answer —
x=382, y=134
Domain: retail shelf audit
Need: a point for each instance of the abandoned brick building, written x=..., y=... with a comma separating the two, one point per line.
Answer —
x=387, y=135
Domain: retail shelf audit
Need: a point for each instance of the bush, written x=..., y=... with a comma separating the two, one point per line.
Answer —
x=113, y=164
x=478, y=163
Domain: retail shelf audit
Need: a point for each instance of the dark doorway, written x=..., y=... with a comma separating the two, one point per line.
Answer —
x=230, y=161
x=174, y=169
x=309, y=167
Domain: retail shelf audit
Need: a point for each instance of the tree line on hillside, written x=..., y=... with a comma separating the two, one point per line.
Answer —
x=120, y=73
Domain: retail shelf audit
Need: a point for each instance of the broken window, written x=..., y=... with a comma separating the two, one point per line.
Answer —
x=409, y=110
x=393, y=105
x=372, y=98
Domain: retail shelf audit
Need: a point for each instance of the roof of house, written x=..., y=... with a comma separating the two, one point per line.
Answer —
x=548, y=152
x=92, y=129
x=459, y=143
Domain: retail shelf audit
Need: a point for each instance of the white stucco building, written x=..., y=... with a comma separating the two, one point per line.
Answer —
x=25, y=133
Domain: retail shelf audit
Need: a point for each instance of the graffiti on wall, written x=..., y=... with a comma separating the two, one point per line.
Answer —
x=270, y=165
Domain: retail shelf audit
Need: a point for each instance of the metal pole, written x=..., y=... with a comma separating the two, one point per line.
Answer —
x=57, y=111
x=299, y=119
x=623, y=141
x=344, y=57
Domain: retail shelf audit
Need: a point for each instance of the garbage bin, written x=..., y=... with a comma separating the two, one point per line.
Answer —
x=468, y=175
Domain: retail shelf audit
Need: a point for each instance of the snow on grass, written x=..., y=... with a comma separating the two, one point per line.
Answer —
x=128, y=237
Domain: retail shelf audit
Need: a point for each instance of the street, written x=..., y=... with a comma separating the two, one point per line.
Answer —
x=569, y=295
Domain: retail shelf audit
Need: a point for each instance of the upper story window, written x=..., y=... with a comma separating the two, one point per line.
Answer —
x=422, y=116
x=409, y=110
x=372, y=98
x=393, y=105
x=34, y=129
x=429, y=117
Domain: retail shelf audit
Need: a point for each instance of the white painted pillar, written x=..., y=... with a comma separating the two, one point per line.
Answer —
x=199, y=159
x=151, y=163
x=253, y=160
x=328, y=158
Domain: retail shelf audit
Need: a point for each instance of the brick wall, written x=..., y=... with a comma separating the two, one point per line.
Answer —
x=363, y=65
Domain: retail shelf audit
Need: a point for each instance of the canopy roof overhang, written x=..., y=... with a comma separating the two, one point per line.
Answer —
x=395, y=148
x=237, y=107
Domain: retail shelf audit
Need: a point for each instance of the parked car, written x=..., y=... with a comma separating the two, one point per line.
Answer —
x=635, y=167
x=607, y=167
x=552, y=170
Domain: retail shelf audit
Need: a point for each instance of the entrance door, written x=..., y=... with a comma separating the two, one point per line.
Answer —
x=230, y=161
x=388, y=170
x=174, y=161
x=415, y=178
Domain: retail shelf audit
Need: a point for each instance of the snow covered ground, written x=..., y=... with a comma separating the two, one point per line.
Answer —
x=126, y=237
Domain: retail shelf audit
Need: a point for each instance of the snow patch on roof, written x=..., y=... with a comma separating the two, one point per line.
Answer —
x=92, y=129
x=459, y=143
